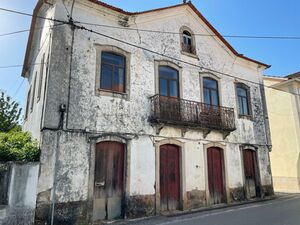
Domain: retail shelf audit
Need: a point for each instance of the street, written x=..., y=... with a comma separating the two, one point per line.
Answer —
x=282, y=211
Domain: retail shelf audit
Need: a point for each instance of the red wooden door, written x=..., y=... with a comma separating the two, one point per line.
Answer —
x=169, y=177
x=109, y=180
x=250, y=173
x=216, y=181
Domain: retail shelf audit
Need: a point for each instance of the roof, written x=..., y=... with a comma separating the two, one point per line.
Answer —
x=197, y=13
x=119, y=10
x=294, y=75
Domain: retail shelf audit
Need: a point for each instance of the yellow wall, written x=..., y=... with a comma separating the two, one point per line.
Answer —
x=285, y=134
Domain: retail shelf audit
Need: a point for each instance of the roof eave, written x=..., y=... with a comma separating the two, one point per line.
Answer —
x=31, y=34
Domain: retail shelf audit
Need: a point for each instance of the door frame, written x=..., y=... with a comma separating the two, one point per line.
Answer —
x=92, y=149
x=182, y=200
x=225, y=173
x=257, y=170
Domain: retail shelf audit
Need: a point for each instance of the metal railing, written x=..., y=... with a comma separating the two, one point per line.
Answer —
x=183, y=112
x=188, y=48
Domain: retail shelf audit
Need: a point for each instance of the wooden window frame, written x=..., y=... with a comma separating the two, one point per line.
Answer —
x=157, y=64
x=247, y=88
x=41, y=75
x=33, y=92
x=216, y=89
x=118, y=51
x=193, y=52
x=28, y=102
x=114, y=67
x=169, y=80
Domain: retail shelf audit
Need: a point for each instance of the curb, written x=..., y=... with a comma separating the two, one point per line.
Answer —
x=223, y=206
x=193, y=211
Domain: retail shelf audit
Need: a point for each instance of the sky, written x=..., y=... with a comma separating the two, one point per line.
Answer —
x=229, y=17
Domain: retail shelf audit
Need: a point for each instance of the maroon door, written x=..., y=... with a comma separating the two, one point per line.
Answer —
x=216, y=181
x=250, y=173
x=169, y=177
x=109, y=180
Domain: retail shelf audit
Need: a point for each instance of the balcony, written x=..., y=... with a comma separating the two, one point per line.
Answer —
x=181, y=112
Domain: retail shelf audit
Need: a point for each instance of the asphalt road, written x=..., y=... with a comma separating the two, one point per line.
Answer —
x=282, y=211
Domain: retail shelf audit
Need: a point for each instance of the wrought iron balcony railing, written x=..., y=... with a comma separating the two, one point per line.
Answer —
x=188, y=48
x=183, y=112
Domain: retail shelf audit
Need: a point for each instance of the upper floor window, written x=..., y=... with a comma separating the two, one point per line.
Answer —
x=210, y=91
x=27, y=103
x=41, y=77
x=168, y=82
x=243, y=99
x=113, y=69
x=187, y=41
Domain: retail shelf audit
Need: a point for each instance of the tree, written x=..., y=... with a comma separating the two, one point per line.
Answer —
x=10, y=113
x=17, y=145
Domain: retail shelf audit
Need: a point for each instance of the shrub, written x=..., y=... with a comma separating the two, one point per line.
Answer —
x=17, y=145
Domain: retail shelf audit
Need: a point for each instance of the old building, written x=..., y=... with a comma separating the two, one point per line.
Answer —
x=283, y=101
x=140, y=113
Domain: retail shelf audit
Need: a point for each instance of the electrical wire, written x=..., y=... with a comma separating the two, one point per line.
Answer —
x=197, y=34
x=146, y=49
x=179, y=60
x=152, y=31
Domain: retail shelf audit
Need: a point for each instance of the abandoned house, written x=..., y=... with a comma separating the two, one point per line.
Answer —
x=139, y=113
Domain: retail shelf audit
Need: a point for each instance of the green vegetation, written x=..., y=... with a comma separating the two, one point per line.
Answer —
x=15, y=145
x=10, y=113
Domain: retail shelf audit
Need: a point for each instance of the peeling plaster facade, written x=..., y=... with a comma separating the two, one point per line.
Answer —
x=68, y=139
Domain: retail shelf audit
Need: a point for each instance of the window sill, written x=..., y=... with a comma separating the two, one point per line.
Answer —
x=190, y=54
x=247, y=117
x=115, y=94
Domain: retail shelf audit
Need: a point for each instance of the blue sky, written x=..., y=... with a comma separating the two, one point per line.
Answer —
x=229, y=17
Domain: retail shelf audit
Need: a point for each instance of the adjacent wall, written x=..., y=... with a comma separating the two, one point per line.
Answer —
x=21, y=192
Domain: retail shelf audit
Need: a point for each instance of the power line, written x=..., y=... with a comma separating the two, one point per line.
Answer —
x=30, y=15
x=146, y=49
x=176, y=59
x=197, y=34
x=25, y=30
x=15, y=32
x=152, y=31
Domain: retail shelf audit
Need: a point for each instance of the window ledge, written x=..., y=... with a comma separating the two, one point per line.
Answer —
x=189, y=54
x=109, y=93
x=247, y=117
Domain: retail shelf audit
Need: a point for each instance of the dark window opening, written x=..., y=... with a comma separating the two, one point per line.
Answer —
x=113, y=68
x=168, y=82
x=243, y=100
x=187, y=42
x=210, y=91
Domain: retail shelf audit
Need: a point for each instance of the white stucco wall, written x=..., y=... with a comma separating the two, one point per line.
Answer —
x=98, y=113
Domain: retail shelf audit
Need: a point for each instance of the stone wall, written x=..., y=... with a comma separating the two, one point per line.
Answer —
x=21, y=193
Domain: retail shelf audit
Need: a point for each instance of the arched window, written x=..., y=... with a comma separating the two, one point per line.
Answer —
x=243, y=99
x=210, y=91
x=113, y=67
x=187, y=42
x=168, y=81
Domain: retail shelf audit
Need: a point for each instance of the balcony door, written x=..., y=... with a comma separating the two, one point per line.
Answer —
x=169, y=93
x=210, y=112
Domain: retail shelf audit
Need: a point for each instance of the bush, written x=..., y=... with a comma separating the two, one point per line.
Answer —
x=17, y=145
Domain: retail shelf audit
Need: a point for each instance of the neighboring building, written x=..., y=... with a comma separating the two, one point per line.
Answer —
x=127, y=132
x=284, y=116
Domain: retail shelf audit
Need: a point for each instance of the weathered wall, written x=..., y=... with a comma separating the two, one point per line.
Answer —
x=67, y=156
x=20, y=208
